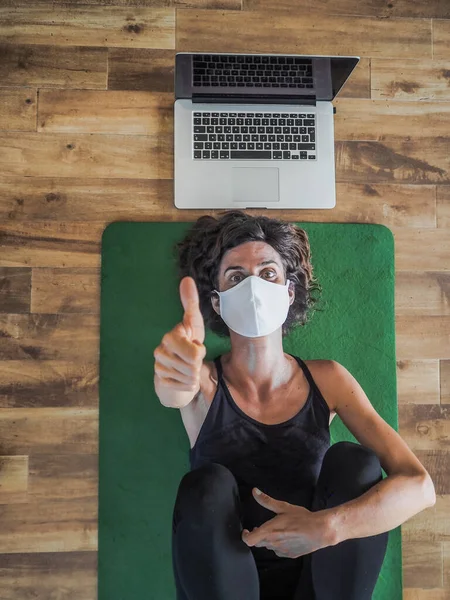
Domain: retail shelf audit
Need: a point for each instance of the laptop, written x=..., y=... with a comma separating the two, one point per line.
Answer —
x=256, y=130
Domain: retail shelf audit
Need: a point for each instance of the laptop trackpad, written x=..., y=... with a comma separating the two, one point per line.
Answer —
x=253, y=184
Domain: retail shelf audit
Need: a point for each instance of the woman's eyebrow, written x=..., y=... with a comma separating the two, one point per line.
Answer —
x=266, y=262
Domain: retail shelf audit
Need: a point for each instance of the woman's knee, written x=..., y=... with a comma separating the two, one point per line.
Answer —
x=350, y=470
x=205, y=486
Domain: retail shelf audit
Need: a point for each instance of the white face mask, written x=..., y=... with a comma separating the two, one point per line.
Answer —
x=255, y=307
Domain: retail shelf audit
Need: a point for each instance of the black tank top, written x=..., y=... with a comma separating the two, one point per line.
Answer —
x=282, y=460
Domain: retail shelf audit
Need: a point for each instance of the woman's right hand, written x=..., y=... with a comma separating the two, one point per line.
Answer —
x=179, y=357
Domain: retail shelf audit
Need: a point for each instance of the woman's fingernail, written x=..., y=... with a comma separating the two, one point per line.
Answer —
x=258, y=492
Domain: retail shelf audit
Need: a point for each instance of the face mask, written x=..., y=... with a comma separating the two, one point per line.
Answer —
x=255, y=307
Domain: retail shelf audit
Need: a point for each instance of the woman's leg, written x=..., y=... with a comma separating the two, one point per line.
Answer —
x=210, y=560
x=349, y=570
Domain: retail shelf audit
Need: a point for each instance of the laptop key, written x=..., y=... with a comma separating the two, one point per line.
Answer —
x=206, y=153
x=287, y=154
x=263, y=154
x=277, y=154
x=197, y=153
x=225, y=154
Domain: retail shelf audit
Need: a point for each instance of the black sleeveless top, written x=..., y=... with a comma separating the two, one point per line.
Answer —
x=282, y=460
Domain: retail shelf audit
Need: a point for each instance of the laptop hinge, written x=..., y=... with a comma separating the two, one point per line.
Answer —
x=249, y=99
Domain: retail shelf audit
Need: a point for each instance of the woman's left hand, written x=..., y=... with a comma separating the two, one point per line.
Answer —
x=295, y=530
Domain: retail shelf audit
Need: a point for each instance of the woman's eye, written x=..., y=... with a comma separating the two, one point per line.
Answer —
x=271, y=273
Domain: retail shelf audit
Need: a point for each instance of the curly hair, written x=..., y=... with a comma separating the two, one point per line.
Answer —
x=200, y=253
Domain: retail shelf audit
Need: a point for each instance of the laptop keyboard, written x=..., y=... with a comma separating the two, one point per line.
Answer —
x=219, y=70
x=249, y=135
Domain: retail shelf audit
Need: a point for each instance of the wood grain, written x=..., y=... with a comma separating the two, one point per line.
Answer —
x=443, y=206
x=49, y=383
x=380, y=120
x=401, y=160
x=49, y=337
x=121, y=112
x=68, y=25
x=143, y=69
x=433, y=246
x=54, y=430
x=422, y=293
x=49, y=526
x=50, y=66
x=51, y=244
x=15, y=290
x=14, y=478
x=71, y=199
x=74, y=574
x=302, y=33
x=421, y=80
x=68, y=154
x=441, y=39
x=422, y=564
x=428, y=337
x=65, y=291
x=418, y=382
x=373, y=8
x=62, y=476
x=18, y=109
x=445, y=381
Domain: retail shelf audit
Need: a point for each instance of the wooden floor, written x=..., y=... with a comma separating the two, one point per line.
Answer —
x=86, y=138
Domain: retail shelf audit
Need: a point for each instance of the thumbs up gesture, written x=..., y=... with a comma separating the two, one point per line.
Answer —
x=179, y=357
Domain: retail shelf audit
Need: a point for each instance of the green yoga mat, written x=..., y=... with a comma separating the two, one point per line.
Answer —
x=144, y=449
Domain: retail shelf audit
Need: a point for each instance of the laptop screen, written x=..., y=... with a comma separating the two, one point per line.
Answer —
x=281, y=75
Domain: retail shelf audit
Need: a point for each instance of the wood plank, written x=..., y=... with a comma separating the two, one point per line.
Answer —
x=422, y=564
x=50, y=244
x=91, y=111
x=446, y=565
x=49, y=337
x=424, y=594
x=85, y=155
x=55, y=430
x=424, y=338
x=358, y=85
x=103, y=200
x=379, y=120
x=370, y=8
x=14, y=480
x=106, y=200
x=422, y=293
x=418, y=381
x=425, y=427
x=73, y=574
x=146, y=69
x=46, y=383
x=50, y=66
x=68, y=25
x=445, y=381
x=410, y=79
x=402, y=159
x=302, y=33
x=15, y=290
x=49, y=526
x=443, y=206
x=65, y=291
x=18, y=109
x=55, y=476
x=441, y=39
x=434, y=245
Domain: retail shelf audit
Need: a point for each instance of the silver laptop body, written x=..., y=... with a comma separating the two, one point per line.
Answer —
x=270, y=143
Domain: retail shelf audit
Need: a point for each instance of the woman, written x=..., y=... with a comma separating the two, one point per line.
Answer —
x=256, y=417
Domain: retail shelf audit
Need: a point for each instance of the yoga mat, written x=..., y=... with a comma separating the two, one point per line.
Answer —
x=143, y=447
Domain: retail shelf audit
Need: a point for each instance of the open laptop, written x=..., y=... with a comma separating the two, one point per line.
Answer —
x=256, y=130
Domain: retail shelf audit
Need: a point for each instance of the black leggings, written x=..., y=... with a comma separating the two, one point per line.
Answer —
x=212, y=562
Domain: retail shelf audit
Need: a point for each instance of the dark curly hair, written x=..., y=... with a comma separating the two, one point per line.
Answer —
x=200, y=253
